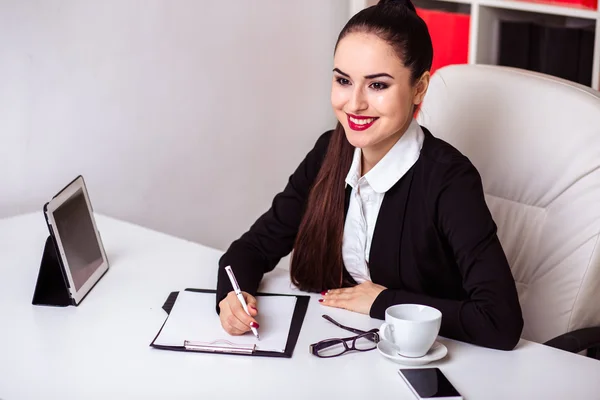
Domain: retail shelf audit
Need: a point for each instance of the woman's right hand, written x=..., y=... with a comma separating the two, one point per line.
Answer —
x=234, y=319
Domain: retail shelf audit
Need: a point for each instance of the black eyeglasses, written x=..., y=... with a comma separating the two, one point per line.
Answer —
x=363, y=341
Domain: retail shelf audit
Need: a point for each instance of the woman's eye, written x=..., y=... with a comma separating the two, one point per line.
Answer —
x=343, y=81
x=379, y=85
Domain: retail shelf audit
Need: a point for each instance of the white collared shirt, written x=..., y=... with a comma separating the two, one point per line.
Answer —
x=367, y=195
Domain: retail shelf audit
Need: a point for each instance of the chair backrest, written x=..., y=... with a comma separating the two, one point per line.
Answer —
x=535, y=140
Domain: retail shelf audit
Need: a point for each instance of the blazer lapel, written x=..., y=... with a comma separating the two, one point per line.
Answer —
x=384, y=256
x=347, y=200
x=347, y=278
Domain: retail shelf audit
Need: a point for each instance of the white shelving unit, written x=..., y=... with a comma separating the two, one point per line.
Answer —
x=487, y=14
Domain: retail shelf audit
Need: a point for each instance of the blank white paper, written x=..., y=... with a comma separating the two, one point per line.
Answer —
x=194, y=318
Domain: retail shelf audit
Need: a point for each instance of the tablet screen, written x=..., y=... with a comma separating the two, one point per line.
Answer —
x=76, y=230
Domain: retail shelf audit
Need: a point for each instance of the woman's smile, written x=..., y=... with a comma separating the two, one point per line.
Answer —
x=360, y=123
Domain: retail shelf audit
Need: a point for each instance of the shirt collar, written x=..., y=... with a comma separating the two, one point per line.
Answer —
x=397, y=161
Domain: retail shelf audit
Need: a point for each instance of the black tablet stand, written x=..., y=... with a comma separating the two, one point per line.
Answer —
x=52, y=287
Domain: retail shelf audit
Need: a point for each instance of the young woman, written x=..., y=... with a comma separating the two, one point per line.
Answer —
x=380, y=212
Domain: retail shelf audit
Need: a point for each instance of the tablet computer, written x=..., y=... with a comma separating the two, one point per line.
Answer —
x=79, y=248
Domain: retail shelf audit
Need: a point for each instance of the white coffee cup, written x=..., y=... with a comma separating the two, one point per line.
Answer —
x=413, y=328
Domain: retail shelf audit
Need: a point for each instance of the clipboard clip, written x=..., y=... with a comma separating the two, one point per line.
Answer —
x=219, y=346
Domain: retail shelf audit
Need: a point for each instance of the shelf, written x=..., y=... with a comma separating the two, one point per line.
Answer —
x=535, y=7
x=541, y=8
x=487, y=14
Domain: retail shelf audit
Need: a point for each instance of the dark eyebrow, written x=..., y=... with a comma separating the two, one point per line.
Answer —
x=372, y=76
x=383, y=74
x=341, y=72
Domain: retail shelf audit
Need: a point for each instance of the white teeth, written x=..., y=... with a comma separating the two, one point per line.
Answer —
x=362, y=121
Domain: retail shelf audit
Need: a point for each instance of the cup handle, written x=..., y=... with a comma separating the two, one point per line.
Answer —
x=385, y=332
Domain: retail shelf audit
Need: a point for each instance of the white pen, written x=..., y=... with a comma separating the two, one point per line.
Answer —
x=240, y=296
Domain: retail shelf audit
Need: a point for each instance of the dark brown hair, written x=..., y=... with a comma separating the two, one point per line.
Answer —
x=317, y=263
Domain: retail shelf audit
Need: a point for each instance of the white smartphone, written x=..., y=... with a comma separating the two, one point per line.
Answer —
x=429, y=383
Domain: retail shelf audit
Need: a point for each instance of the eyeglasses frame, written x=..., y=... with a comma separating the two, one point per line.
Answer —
x=372, y=335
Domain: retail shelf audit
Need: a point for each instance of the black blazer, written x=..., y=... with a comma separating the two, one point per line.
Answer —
x=434, y=243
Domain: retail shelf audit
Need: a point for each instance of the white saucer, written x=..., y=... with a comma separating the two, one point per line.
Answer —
x=388, y=350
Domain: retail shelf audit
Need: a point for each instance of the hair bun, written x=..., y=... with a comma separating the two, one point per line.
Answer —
x=406, y=3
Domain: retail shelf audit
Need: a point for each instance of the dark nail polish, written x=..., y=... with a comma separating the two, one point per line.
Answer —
x=324, y=292
x=320, y=300
x=254, y=325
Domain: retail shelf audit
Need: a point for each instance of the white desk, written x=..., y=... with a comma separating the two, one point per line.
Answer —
x=101, y=348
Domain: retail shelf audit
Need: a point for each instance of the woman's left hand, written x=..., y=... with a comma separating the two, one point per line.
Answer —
x=358, y=298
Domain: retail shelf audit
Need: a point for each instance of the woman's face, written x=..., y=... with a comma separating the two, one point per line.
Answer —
x=372, y=93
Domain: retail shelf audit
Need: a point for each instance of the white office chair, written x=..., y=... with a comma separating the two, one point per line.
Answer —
x=535, y=140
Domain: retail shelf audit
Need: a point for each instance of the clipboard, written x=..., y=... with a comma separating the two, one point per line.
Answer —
x=228, y=347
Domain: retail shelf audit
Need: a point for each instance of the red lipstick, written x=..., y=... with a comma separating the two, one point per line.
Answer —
x=365, y=122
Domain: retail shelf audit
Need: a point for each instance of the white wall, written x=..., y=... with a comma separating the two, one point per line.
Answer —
x=184, y=116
